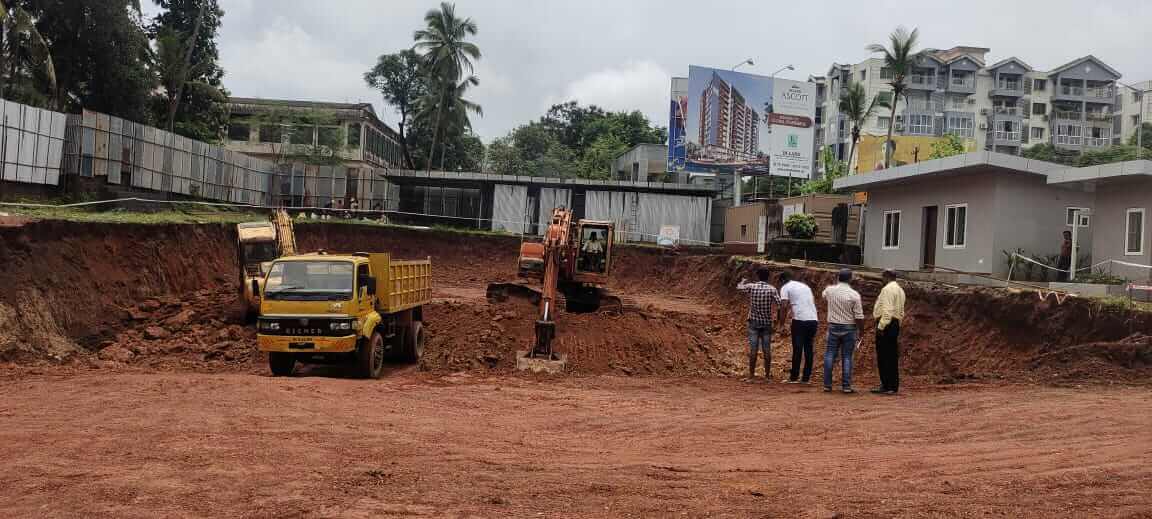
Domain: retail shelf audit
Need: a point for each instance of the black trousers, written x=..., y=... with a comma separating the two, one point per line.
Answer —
x=888, y=356
x=803, y=335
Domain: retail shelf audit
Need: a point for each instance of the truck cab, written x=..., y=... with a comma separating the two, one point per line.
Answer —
x=357, y=309
x=256, y=247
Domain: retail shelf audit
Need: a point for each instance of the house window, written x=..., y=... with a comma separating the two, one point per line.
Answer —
x=891, y=229
x=238, y=132
x=956, y=218
x=920, y=124
x=885, y=73
x=884, y=98
x=863, y=75
x=882, y=122
x=1038, y=133
x=354, y=136
x=1134, y=232
x=1039, y=108
x=743, y=231
x=1039, y=84
x=1070, y=216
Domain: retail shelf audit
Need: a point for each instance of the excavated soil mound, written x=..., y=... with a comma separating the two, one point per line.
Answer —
x=163, y=296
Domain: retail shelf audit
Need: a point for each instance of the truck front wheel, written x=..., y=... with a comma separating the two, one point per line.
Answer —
x=370, y=356
x=282, y=364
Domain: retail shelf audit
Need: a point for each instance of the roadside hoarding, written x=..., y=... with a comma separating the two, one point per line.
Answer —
x=746, y=123
x=677, y=110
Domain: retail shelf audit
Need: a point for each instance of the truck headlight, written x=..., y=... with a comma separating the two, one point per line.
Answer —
x=340, y=325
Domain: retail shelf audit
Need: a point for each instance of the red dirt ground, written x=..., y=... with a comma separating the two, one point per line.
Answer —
x=133, y=390
x=238, y=445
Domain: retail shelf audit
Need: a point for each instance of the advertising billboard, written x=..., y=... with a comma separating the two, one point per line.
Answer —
x=733, y=121
x=677, y=139
x=792, y=125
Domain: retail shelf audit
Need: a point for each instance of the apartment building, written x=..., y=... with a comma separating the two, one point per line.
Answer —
x=1002, y=107
x=729, y=128
x=1137, y=107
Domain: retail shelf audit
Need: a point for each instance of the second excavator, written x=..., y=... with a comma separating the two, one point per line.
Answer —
x=573, y=261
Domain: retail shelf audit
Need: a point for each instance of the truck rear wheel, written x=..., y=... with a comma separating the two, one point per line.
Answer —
x=413, y=343
x=370, y=357
x=281, y=364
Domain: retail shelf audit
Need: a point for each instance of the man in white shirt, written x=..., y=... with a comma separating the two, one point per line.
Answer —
x=802, y=304
x=845, y=320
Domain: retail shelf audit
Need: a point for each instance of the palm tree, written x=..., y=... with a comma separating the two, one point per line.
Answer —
x=857, y=109
x=450, y=110
x=19, y=30
x=898, y=59
x=446, y=53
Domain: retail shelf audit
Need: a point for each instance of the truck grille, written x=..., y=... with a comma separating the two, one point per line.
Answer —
x=302, y=327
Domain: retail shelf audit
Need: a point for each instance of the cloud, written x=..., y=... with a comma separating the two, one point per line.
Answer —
x=637, y=85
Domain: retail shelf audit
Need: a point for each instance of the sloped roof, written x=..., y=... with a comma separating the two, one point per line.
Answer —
x=1008, y=60
x=1078, y=61
x=957, y=164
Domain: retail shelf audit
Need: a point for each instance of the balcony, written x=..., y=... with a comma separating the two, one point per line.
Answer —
x=1061, y=115
x=1100, y=94
x=921, y=106
x=1068, y=92
x=922, y=82
x=1099, y=117
x=1097, y=142
x=965, y=84
x=1008, y=89
x=1009, y=111
x=1067, y=140
x=1003, y=137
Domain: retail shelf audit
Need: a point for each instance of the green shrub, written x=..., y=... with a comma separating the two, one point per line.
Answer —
x=801, y=226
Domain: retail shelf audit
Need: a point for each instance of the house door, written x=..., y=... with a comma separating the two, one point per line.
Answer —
x=929, y=242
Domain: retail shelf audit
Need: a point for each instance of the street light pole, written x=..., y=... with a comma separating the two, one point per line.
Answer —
x=782, y=69
x=742, y=63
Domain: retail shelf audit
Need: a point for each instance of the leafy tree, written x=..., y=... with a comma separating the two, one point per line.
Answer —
x=949, y=145
x=101, y=55
x=446, y=53
x=899, y=59
x=453, y=111
x=597, y=160
x=401, y=80
x=833, y=169
x=25, y=58
x=856, y=107
x=193, y=102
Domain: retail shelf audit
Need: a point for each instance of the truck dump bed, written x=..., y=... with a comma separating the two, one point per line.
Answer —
x=401, y=284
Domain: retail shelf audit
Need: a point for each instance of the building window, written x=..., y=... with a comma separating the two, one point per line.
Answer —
x=1068, y=134
x=885, y=73
x=328, y=136
x=961, y=126
x=920, y=124
x=1134, y=232
x=882, y=121
x=884, y=99
x=302, y=135
x=238, y=132
x=891, y=229
x=743, y=231
x=1037, y=133
x=1039, y=108
x=863, y=75
x=1039, y=84
x=354, y=136
x=1070, y=216
x=956, y=219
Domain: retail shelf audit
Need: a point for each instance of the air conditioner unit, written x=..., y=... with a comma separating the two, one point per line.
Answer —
x=983, y=126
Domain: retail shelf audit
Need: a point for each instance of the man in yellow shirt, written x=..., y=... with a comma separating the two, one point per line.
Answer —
x=888, y=311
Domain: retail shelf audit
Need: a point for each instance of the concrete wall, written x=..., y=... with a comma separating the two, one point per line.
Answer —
x=1112, y=201
x=976, y=190
x=1032, y=215
x=642, y=163
x=1005, y=211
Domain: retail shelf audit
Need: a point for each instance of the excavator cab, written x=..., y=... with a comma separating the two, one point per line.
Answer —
x=594, y=253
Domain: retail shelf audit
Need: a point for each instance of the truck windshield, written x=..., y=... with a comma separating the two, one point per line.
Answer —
x=259, y=251
x=310, y=281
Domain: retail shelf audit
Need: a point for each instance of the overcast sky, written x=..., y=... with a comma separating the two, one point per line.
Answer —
x=620, y=54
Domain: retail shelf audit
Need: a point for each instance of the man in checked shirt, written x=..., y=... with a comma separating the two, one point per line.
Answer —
x=763, y=300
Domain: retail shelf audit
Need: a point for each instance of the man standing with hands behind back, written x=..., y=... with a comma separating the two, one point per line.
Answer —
x=845, y=320
x=888, y=311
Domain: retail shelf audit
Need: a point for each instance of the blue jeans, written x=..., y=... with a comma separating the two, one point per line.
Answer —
x=759, y=338
x=842, y=342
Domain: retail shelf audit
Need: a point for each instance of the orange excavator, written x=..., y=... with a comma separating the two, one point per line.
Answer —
x=574, y=260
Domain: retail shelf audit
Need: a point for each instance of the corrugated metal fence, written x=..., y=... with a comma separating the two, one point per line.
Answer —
x=33, y=144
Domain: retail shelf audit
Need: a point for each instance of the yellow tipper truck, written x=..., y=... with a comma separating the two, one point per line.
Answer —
x=356, y=309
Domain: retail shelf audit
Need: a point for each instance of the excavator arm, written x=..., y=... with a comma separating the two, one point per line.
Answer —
x=556, y=247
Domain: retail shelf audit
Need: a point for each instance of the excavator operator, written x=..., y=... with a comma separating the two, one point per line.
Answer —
x=593, y=254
